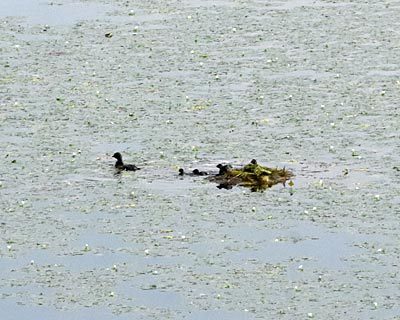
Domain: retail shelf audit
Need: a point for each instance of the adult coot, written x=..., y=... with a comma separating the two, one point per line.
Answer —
x=120, y=164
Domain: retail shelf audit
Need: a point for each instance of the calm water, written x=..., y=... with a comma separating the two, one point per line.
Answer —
x=309, y=85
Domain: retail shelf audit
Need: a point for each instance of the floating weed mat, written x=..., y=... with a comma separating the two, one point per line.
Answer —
x=252, y=175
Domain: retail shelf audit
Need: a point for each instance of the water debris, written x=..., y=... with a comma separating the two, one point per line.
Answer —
x=108, y=35
x=150, y=287
x=252, y=175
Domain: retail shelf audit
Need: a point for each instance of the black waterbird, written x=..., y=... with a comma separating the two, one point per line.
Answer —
x=120, y=164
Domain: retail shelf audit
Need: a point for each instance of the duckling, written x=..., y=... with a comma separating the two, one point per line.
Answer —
x=195, y=172
x=121, y=166
x=251, y=166
x=223, y=169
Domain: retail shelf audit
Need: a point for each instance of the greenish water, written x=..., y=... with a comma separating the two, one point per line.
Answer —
x=309, y=85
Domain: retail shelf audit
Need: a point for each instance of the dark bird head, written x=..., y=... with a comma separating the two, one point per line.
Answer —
x=117, y=156
x=181, y=172
x=254, y=161
x=196, y=172
x=223, y=168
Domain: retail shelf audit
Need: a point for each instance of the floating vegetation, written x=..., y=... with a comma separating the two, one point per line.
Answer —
x=252, y=175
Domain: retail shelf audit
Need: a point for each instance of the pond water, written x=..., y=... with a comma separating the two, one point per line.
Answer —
x=312, y=86
x=52, y=13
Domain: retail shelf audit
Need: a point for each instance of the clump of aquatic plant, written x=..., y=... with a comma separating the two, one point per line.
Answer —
x=252, y=175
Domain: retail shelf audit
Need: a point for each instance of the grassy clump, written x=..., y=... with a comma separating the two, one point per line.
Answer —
x=253, y=175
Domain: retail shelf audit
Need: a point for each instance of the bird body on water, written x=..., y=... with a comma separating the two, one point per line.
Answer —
x=120, y=164
x=195, y=172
